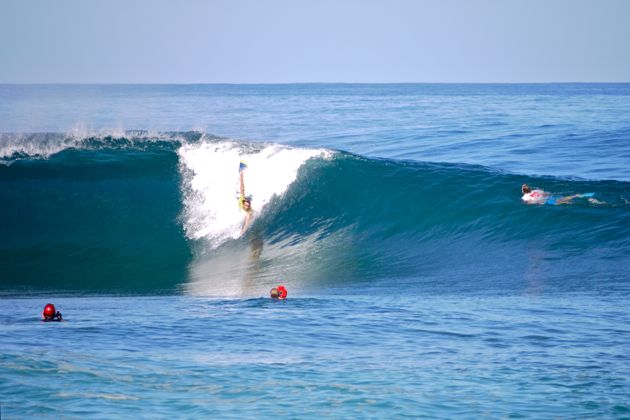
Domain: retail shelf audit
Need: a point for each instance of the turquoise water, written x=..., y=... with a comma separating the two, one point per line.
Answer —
x=419, y=284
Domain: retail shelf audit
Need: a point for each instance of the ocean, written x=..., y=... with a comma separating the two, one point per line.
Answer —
x=420, y=284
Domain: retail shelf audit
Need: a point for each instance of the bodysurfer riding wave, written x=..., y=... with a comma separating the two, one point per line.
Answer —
x=244, y=201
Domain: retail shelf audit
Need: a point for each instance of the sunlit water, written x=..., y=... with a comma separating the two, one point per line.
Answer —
x=374, y=355
x=415, y=289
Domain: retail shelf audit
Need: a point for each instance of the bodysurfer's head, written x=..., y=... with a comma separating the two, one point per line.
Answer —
x=247, y=204
x=274, y=294
x=525, y=189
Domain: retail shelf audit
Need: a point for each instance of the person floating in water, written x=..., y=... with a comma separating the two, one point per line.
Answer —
x=538, y=196
x=279, y=292
x=51, y=314
x=244, y=201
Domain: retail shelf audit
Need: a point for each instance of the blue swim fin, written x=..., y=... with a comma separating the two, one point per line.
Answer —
x=242, y=166
x=587, y=195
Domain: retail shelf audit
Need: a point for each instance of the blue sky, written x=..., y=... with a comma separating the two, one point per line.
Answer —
x=283, y=41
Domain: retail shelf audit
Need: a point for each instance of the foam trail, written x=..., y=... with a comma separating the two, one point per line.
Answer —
x=210, y=177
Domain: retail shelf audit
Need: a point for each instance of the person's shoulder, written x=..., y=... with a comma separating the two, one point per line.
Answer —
x=534, y=196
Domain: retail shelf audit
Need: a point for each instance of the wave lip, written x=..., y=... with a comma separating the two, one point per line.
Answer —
x=19, y=146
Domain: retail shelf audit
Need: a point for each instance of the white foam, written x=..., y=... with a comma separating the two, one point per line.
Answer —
x=211, y=182
x=33, y=145
x=44, y=145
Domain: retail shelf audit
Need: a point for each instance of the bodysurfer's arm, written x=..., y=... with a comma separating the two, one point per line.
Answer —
x=242, y=185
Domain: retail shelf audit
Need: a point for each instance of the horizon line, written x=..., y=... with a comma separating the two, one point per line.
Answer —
x=309, y=83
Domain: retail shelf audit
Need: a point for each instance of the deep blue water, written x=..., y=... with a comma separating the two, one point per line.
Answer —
x=419, y=283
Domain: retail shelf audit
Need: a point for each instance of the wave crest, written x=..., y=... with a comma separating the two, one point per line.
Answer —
x=210, y=183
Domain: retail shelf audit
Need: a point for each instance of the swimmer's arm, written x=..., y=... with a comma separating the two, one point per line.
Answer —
x=242, y=185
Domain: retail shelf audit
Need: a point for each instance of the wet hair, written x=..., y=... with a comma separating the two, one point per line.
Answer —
x=274, y=293
x=525, y=188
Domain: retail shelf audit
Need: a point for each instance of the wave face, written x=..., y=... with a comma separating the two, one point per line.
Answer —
x=91, y=213
x=139, y=212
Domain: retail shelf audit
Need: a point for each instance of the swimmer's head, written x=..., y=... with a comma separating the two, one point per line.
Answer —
x=282, y=292
x=279, y=292
x=247, y=204
x=525, y=189
x=49, y=311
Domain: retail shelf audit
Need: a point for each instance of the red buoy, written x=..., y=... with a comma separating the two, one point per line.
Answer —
x=282, y=292
x=49, y=311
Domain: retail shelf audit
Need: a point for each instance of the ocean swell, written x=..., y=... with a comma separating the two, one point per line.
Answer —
x=143, y=213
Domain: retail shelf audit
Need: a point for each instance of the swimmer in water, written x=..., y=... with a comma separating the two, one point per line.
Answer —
x=279, y=292
x=244, y=202
x=542, y=197
x=51, y=314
